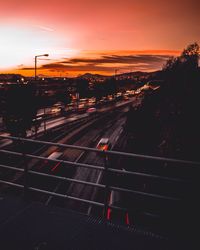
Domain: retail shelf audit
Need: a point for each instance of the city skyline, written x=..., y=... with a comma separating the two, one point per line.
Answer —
x=97, y=37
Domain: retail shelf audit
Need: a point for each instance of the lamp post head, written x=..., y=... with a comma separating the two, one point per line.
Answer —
x=41, y=55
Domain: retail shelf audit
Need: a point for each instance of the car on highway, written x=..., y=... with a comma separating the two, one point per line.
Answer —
x=115, y=215
x=55, y=110
x=47, y=165
x=125, y=97
x=54, y=155
x=104, y=144
x=91, y=110
x=138, y=91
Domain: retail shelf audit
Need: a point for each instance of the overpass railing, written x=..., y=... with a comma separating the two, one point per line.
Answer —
x=106, y=169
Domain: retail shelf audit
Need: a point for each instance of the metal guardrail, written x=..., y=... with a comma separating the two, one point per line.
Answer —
x=91, y=117
x=106, y=169
x=66, y=124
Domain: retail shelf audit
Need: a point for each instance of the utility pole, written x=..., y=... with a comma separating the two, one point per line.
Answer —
x=116, y=72
x=35, y=80
x=77, y=100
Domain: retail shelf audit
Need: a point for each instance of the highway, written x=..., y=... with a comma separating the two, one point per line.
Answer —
x=87, y=131
x=57, y=122
x=50, y=124
x=110, y=128
x=158, y=187
x=108, y=124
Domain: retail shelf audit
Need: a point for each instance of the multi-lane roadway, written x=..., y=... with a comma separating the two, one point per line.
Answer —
x=107, y=122
x=86, y=130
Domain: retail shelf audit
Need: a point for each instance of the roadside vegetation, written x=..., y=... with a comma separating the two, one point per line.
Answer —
x=167, y=122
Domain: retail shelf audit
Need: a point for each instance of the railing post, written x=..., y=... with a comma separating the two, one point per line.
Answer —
x=106, y=191
x=26, y=181
x=45, y=120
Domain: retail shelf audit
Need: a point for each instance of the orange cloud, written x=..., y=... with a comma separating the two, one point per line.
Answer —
x=105, y=62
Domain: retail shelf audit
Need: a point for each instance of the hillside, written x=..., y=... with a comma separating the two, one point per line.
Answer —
x=167, y=123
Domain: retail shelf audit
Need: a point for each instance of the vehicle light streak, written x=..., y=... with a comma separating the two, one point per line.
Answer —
x=54, y=168
x=108, y=213
x=127, y=219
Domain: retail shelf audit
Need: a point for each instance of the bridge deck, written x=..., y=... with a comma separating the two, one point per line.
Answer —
x=31, y=225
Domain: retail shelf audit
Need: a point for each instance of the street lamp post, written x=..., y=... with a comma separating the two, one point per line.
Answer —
x=36, y=63
x=35, y=80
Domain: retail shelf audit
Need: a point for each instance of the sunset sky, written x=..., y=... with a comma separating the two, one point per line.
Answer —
x=94, y=36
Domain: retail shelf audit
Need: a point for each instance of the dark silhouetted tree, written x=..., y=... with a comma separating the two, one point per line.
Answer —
x=98, y=91
x=82, y=87
x=188, y=60
x=190, y=55
x=20, y=108
x=110, y=86
x=169, y=116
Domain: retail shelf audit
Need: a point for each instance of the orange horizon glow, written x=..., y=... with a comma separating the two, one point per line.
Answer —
x=109, y=68
x=94, y=36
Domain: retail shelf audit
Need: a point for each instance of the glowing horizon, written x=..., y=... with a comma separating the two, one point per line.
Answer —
x=97, y=62
x=88, y=36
